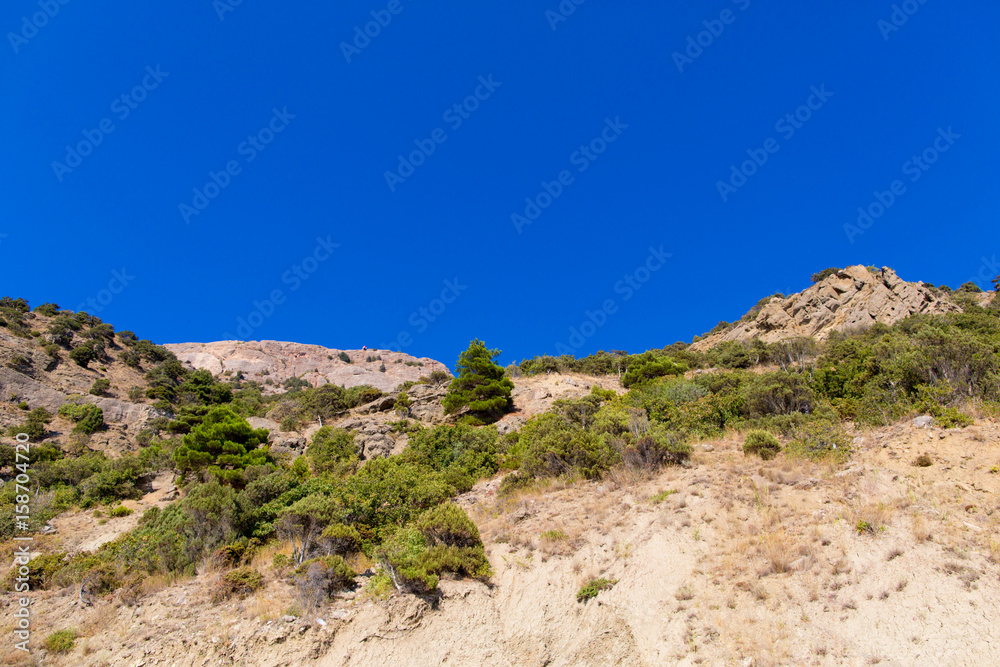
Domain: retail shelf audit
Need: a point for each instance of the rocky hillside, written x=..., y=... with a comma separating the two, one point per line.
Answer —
x=278, y=361
x=851, y=298
x=729, y=561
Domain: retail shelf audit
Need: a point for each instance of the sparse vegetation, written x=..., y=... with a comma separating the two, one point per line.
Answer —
x=61, y=641
x=591, y=589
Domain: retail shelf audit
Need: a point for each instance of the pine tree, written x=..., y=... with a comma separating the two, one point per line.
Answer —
x=480, y=385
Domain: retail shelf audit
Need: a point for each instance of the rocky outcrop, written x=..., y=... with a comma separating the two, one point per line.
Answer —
x=374, y=439
x=278, y=361
x=38, y=395
x=852, y=298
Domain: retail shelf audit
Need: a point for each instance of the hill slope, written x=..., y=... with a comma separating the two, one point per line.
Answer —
x=851, y=298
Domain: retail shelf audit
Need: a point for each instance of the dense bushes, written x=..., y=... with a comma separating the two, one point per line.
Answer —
x=333, y=451
x=924, y=363
x=442, y=540
x=461, y=454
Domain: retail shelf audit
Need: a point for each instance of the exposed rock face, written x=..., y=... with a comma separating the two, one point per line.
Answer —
x=852, y=298
x=37, y=395
x=260, y=360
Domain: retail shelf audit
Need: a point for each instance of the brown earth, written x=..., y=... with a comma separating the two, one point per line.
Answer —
x=730, y=561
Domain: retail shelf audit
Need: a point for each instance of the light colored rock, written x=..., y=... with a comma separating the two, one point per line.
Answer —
x=923, y=421
x=851, y=298
x=260, y=360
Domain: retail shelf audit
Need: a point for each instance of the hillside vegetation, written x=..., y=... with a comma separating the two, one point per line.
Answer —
x=278, y=492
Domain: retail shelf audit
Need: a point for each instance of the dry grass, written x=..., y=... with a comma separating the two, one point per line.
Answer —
x=921, y=529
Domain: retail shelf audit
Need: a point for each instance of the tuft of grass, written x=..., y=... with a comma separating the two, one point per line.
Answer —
x=61, y=641
x=684, y=593
x=554, y=535
x=120, y=511
x=662, y=495
x=593, y=587
x=923, y=461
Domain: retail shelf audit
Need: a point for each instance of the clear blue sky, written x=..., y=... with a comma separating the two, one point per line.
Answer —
x=309, y=127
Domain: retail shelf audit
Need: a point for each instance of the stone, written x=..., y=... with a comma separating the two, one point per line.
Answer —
x=853, y=297
x=923, y=421
x=260, y=360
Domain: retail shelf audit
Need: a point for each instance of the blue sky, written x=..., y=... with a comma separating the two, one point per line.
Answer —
x=264, y=150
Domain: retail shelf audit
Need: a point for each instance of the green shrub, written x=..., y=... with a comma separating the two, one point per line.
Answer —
x=462, y=454
x=824, y=274
x=319, y=578
x=88, y=417
x=240, y=582
x=343, y=357
x=593, y=587
x=83, y=354
x=61, y=641
x=449, y=525
x=340, y=539
x=333, y=451
x=951, y=418
x=761, y=443
x=281, y=561
x=414, y=562
x=48, y=309
x=120, y=511
x=100, y=387
x=820, y=438
x=651, y=370
x=549, y=445
x=36, y=425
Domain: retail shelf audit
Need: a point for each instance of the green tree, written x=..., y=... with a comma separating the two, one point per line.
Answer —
x=480, y=385
x=225, y=444
x=83, y=354
x=333, y=451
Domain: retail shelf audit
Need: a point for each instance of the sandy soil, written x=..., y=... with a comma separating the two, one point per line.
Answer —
x=730, y=561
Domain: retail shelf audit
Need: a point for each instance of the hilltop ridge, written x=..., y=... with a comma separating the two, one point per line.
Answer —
x=852, y=298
